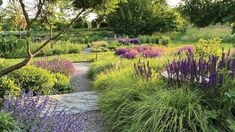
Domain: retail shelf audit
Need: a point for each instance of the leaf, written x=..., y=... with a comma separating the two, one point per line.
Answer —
x=230, y=94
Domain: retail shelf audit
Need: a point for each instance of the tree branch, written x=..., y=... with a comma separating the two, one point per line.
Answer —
x=26, y=15
x=16, y=66
x=56, y=36
x=40, y=5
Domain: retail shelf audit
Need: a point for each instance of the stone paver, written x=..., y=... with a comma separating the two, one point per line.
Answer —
x=76, y=103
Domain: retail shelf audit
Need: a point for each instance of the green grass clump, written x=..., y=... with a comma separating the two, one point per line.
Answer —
x=174, y=110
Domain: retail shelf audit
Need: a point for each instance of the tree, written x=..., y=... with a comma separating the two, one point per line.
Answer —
x=144, y=17
x=206, y=12
x=52, y=13
x=17, y=17
x=1, y=2
x=81, y=7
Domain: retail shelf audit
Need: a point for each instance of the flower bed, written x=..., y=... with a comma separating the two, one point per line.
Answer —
x=57, y=66
x=129, y=41
x=144, y=51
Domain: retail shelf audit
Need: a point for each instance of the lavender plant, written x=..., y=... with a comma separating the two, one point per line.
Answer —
x=31, y=114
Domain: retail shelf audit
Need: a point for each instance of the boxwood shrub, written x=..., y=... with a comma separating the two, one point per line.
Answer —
x=8, y=85
x=62, y=84
x=34, y=79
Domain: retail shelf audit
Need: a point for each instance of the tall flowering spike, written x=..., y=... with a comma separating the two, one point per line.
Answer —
x=221, y=80
x=233, y=67
x=228, y=54
x=143, y=70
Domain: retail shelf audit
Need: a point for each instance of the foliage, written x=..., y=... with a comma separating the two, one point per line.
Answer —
x=144, y=17
x=17, y=17
x=11, y=47
x=174, y=110
x=103, y=65
x=203, y=12
x=10, y=44
x=193, y=34
x=7, y=123
x=8, y=85
x=62, y=85
x=57, y=66
x=164, y=40
x=31, y=114
x=154, y=39
x=206, y=48
x=31, y=78
x=99, y=46
x=60, y=47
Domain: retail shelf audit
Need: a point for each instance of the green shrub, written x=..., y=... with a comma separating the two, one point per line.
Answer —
x=7, y=123
x=154, y=39
x=8, y=85
x=99, y=46
x=208, y=48
x=34, y=79
x=62, y=84
x=164, y=40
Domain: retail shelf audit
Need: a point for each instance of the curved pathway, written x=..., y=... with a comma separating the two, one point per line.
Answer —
x=82, y=101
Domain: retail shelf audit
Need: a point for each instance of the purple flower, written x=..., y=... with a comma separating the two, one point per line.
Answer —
x=121, y=51
x=32, y=114
x=151, y=54
x=186, y=49
x=130, y=55
x=145, y=51
x=129, y=40
x=57, y=66
x=134, y=41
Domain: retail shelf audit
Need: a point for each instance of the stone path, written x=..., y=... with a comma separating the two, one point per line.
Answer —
x=77, y=102
x=79, y=80
x=82, y=101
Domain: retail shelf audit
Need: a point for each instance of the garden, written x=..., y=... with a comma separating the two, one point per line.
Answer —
x=117, y=66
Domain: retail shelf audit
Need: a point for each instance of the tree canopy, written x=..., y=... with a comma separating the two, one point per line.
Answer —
x=144, y=17
x=206, y=12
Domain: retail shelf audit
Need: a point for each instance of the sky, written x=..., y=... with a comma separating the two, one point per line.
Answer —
x=173, y=3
